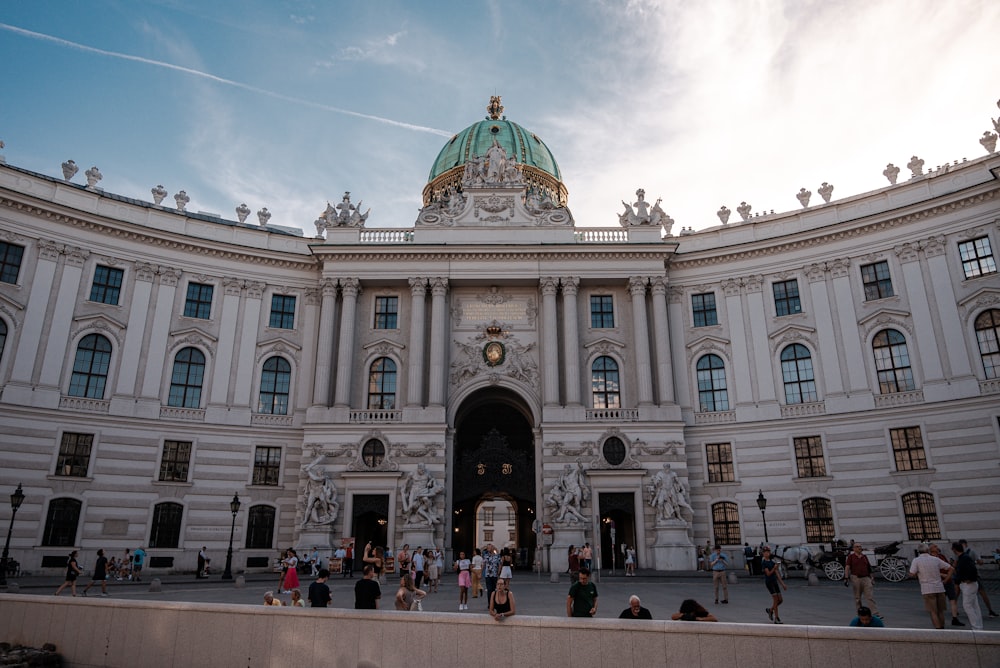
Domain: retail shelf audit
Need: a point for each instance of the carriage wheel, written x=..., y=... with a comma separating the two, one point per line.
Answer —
x=834, y=570
x=893, y=569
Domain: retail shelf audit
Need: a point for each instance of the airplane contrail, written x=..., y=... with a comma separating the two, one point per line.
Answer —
x=229, y=82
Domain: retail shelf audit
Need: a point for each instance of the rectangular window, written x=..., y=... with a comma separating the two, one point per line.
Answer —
x=175, y=461
x=488, y=516
x=488, y=536
x=386, y=312
x=282, y=312
x=809, y=457
x=199, y=301
x=602, y=311
x=107, y=285
x=786, y=297
x=908, y=448
x=10, y=261
x=720, y=462
x=266, y=465
x=726, y=523
x=74, y=455
x=703, y=308
x=877, y=281
x=977, y=257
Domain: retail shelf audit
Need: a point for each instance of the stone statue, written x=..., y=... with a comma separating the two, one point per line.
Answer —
x=825, y=191
x=93, y=176
x=803, y=197
x=158, y=192
x=69, y=169
x=242, y=211
x=568, y=494
x=989, y=140
x=182, y=200
x=723, y=214
x=263, y=216
x=641, y=206
x=668, y=495
x=996, y=121
x=744, y=210
x=628, y=216
x=321, y=495
x=916, y=166
x=891, y=172
x=418, y=491
x=497, y=167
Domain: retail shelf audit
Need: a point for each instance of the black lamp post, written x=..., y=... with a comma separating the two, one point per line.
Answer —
x=16, y=499
x=762, y=504
x=234, y=506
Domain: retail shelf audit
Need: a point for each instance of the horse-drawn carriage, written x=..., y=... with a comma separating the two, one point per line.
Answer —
x=883, y=559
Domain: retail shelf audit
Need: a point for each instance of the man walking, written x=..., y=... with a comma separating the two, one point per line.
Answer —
x=319, y=591
x=491, y=570
x=100, y=574
x=586, y=557
x=928, y=570
x=582, y=598
x=772, y=580
x=367, y=591
x=859, y=570
x=982, y=590
x=718, y=562
x=967, y=577
x=202, y=562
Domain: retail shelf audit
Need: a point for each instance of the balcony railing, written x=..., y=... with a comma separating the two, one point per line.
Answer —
x=386, y=236
x=899, y=399
x=612, y=415
x=375, y=416
x=600, y=236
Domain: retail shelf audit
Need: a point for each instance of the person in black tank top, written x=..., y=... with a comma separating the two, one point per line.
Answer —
x=502, y=602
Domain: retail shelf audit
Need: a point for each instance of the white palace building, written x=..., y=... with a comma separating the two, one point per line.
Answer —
x=620, y=385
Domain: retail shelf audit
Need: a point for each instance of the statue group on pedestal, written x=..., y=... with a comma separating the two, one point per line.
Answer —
x=668, y=496
x=321, y=507
x=418, y=491
x=567, y=495
x=639, y=213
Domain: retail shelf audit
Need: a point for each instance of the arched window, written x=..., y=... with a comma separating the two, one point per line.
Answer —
x=373, y=453
x=187, y=378
x=712, y=392
x=61, y=522
x=382, y=384
x=166, y=531
x=988, y=336
x=892, y=361
x=260, y=528
x=275, y=381
x=604, y=381
x=726, y=523
x=3, y=337
x=818, y=514
x=921, y=516
x=797, y=374
x=90, y=369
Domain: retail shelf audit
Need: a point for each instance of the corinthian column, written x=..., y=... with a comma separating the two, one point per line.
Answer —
x=571, y=340
x=550, y=342
x=439, y=340
x=324, y=346
x=415, y=377
x=349, y=288
x=643, y=373
x=661, y=339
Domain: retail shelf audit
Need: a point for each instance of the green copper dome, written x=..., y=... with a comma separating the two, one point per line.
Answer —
x=534, y=158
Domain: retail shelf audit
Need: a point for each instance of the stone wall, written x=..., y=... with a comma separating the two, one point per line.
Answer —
x=127, y=633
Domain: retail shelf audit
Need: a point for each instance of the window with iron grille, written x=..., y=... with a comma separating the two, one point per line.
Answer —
x=703, y=309
x=175, y=461
x=818, y=514
x=61, y=522
x=266, y=465
x=892, y=362
x=977, y=257
x=107, y=285
x=10, y=261
x=282, y=312
x=786, y=297
x=876, y=280
x=908, y=449
x=166, y=529
x=386, y=312
x=921, y=516
x=74, y=455
x=720, y=462
x=602, y=311
x=260, y=528
x=809, y=456
x=199, y=301
x=726, y=523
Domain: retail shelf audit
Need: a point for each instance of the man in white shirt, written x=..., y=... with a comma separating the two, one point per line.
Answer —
x=928, y=570
x=418, y=566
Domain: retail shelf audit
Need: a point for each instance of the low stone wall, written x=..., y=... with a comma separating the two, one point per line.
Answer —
x=102, y=632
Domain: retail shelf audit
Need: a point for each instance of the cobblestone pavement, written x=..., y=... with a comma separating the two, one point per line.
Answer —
x=825, y=603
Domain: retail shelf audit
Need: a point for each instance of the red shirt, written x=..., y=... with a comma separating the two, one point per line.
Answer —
x=858, y=565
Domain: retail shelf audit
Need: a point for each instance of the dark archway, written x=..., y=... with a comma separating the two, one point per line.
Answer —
x=617, y=512
x=494, y=458
x=371, y=517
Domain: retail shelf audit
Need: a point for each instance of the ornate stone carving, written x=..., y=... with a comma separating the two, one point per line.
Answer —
x=93, y=176
x=496, y=208
x=668, y=495
x=839, y=268
x=344, y=214
x=989, y=141
x=565, y=498
x=996, y=121
x=144, y=271
x=181, y=199
x=723, y=214
x=916, y=166
x=891, y=172
x=233, y=286
x=825, y=191
x=263, y=216
x=744, y=210
x=629, y=461
x=255, y=289
x=803, y=197
x=517, y=362
x=158, y=192
x=69, y=169
x=169, y=276
x=320, y=506
x=242, y=211
x=418, y=492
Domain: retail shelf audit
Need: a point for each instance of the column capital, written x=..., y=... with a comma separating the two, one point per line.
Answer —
x=351, y=287
x=570, y=284
x=329, y=287
x=658, y=285
x=439, y=286
x=637, y=285
x=550, y=286
x=418, y=286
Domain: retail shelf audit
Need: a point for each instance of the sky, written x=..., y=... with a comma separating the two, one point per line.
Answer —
x=286, y=104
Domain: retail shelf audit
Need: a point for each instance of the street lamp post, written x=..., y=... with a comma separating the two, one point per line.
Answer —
x=16, y=499
x=762, y=504
x=234, y=506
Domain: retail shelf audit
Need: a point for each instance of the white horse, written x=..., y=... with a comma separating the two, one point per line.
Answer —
x=795, y=556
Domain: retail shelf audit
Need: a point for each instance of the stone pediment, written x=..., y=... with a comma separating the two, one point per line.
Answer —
x=494, y=207
x=384, y=347
x=980, y=299
x=101, y=321
x=885, y=316
x=709, y=341
x=791, y=331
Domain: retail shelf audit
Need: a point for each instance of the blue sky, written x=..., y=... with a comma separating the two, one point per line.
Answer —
x=288, y=103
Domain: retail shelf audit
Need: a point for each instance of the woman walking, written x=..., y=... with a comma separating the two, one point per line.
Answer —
x=463, y=566
x=72, y=571
x=292, y=574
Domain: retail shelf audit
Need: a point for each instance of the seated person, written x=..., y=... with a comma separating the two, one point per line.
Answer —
x=635, y=610
x=269, y=599
x=865, y=618
x=692, y=611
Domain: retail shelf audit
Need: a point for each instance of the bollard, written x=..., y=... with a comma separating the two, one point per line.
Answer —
x=731, y=577
x=241, y=582
x=813, y=580
x=155, y=586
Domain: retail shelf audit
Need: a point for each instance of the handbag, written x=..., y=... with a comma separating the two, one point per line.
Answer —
x=417, y=605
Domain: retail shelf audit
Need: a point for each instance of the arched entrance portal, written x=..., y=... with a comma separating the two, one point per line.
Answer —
x=494, y=475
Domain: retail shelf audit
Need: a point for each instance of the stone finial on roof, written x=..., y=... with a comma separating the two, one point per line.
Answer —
x=803, y=197
x=182, y=200
x=495, y=108
x=159, y=192
x=891, y=172
x=723, y=214
x=916, y=166
x=744, y=210
x=825, y=191
x=69, y=169
x=989, y=141
x=93, y=176
x=242, y=211
x=263, y=216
